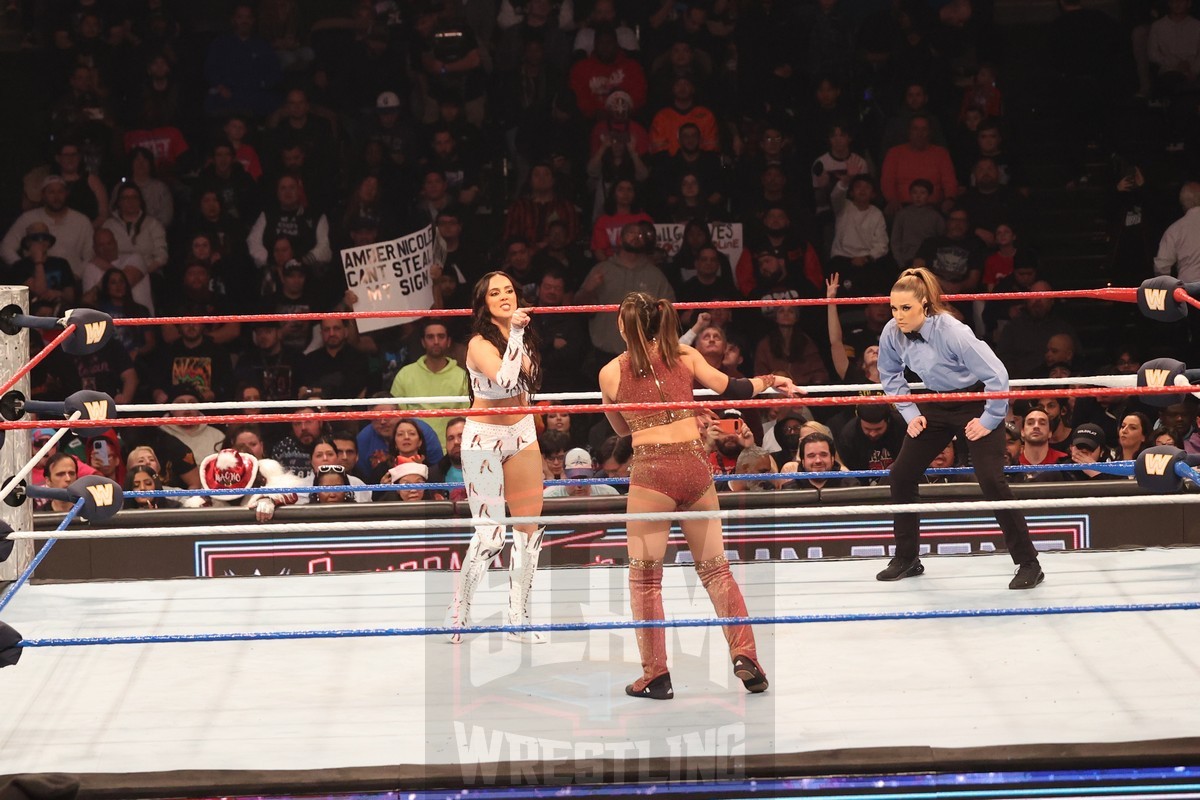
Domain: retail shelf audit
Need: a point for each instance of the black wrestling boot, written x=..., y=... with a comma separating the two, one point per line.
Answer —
x=657, y=689
x=750, y=674
x=1028, y=576
x=899, y=568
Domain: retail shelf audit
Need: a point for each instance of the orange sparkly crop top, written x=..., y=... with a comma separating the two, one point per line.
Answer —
x=662, y=384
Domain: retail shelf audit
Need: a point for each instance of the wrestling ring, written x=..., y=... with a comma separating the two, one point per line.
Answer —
x=342, y=684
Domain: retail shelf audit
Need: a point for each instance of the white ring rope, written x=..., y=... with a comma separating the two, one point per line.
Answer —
x=796, y=512
x=1113, y=381
x=38, y=456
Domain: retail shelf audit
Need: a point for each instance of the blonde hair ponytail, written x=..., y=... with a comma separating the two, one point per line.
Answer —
x=924, y=286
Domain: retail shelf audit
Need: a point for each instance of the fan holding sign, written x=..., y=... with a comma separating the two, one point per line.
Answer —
x=391, y=276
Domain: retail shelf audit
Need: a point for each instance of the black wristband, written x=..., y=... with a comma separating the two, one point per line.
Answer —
x=739, y=389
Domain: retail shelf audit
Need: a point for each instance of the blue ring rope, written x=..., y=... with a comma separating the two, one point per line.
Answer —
x=1120, y=468
x=359, y=633
x=40, y=556
x=1185, y=470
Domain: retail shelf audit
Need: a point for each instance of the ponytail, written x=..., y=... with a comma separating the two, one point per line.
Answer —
x=924, y=286
x=668, y=332
x=642, y=319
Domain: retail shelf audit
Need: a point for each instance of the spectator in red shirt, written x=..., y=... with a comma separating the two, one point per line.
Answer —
x=529, y=216
x=616, y=122
x=664, y=129
x=620, y=208
x=999, y=264
x=780, y=239
x=1035, y=440
x=165, y=142
x=605, y=71
x=983, y=94
x=918, y=158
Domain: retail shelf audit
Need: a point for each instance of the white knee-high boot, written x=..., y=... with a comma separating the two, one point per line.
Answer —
x=521, y=571
x=486, y=544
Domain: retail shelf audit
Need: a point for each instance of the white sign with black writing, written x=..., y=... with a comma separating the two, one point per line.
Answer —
x=727, y=236
x=390, y=276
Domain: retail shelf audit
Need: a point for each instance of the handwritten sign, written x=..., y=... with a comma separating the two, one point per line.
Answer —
x=727, y=236
x=391, y=276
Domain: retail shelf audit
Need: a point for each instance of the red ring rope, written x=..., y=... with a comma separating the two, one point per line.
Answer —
x=37, y=359
x=1110, y=294
x=774, y=402
x=1183, y=297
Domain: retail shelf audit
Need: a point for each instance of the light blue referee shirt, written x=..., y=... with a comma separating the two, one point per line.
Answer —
x=948, y=357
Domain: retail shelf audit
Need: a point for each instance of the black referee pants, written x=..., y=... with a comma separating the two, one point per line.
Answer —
x=944, y=421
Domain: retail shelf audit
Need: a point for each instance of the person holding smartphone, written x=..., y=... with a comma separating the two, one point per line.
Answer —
x=725, y=439
x=104, y=456
x=670, y=472
x=925, y=338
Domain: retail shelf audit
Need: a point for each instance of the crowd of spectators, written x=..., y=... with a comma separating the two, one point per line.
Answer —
x=211, y=159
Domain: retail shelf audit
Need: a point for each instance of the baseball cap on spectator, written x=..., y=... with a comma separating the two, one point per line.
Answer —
x=1025, y=258
x=37, y=232
x=1089, y=437
x=388, y=102
x=732, y=413
x=181, y=390
x=791, y=413
x=778, y=252
x=50, y=180
x=1011, y=430
x=40, y=435
x=578, y=463
x=874, y=413
x=293, y=266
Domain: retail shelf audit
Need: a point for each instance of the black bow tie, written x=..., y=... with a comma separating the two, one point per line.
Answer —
x=914, y=336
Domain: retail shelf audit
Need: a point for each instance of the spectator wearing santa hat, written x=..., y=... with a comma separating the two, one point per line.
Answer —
x=406, y=472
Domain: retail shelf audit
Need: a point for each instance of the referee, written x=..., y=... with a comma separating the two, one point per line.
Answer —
x=926, y=342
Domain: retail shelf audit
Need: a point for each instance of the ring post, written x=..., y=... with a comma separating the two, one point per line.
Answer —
x=14, y=353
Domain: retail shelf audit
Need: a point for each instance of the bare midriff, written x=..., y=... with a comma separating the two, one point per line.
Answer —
x=499, y=419
x=681, y=430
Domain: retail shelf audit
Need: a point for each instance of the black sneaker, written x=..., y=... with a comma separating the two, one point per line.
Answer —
x=750, y=674
x=899, y=568
x=1028, y=576
x=657, y=689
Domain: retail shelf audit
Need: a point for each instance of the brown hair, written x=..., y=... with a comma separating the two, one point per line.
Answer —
x=924, y=285
x=644, y=320
x=482, y=325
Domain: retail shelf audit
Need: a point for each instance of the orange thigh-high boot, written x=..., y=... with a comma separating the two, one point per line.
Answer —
x=728, y=601
x=645, y=601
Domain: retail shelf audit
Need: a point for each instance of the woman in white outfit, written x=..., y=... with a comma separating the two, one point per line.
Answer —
x=501, y=462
